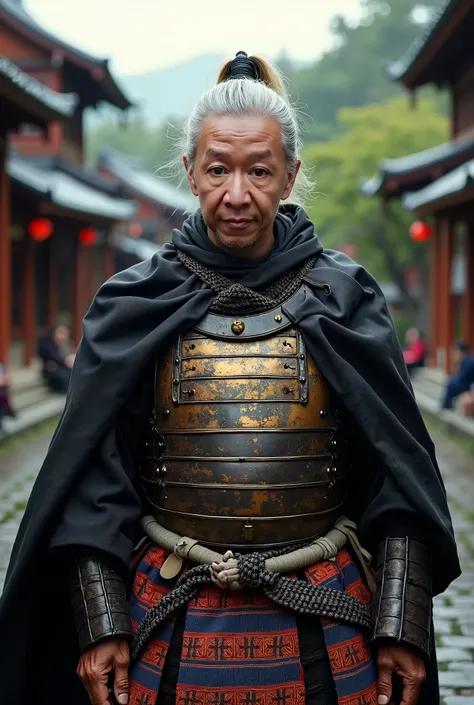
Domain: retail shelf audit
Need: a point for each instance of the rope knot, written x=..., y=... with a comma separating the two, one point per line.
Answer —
x=252, y=571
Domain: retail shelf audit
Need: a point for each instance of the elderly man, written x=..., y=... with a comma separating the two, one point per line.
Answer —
x=239, y=431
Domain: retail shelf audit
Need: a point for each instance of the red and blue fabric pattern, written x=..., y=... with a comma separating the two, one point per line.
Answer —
x=240, y=648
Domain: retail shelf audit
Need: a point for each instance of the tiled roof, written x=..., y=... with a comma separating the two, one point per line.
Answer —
x=68, y=192
x=63, y=105
x=147, y=184
x=451, y=183
x=401, y=67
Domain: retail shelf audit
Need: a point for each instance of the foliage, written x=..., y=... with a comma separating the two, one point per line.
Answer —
x=341, y=213
x=353, y=72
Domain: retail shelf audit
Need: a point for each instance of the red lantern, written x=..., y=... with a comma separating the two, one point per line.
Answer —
x=40, y=229
x=87, y=236
x=135, y=229
x=419, y=231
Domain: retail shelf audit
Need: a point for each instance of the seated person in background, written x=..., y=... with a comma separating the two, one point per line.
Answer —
x=415, y=352
x=53, y=350
x=464, y=378
x=5, y=405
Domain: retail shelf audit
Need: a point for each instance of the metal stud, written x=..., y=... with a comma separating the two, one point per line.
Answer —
x=238, y=327
x=164, y=469
x=278, y=319
x=323, y=413
x=303, y=380
x=189, y=392
x=176, y=380
x=165, y=413
x=301, y=356
x=176, y=360
x=287, y=390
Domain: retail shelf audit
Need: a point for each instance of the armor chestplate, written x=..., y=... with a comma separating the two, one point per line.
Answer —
x=247, y=451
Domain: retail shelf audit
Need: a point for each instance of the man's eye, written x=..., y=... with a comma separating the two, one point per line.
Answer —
x=217, y=170
x=260, y=172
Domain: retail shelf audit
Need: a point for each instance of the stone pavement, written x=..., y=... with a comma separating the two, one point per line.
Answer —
x=454, y=611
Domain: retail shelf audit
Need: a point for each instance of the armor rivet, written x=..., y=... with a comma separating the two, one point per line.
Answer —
x=323, y=413
x=190, y=392
x=301, y=357
x=303, y=380
x=165, y=413
x=164, y=470
x=334, y=444
x=165, y=498
x=248, y=532
x=278, y=319
x=177, y=360
x=238, y=327
x=287, y=390
x=176, y=380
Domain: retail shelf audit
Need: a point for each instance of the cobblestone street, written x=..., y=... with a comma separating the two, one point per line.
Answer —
x=454, y=611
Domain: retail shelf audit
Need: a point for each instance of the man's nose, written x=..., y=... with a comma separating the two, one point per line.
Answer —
x=237, y=193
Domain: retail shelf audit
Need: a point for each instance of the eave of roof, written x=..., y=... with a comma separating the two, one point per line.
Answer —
x=451, y=183
x=415, y=164
x=48, y=103
x=69, y=193
x=23, y=21
x=399, y=69
x=147, y=185
x=138, y=247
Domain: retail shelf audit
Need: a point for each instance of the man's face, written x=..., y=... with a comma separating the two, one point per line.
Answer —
x=240, y=176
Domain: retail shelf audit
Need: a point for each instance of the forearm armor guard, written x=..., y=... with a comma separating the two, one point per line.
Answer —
x=99, y=602
x=403, y=596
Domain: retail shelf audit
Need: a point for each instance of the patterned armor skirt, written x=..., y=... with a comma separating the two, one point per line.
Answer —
x=240, y=648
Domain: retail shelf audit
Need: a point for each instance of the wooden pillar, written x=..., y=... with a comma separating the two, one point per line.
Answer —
x=468, y=298
x=78, y=282
x=434, y=296
x=53, y=288
x=29, y=301
x=446, y=301
x=5, y=257
x=109, y=261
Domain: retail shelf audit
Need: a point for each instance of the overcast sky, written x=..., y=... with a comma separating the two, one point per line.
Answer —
x=142, y=35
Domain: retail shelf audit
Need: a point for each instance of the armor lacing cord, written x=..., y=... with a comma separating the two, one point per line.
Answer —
x=233, y=298
x=297, y=595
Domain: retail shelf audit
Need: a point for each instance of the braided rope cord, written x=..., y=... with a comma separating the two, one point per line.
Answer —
x=298, y=595
x=233, y=298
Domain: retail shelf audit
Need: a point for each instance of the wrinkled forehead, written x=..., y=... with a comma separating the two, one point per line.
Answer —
x=240, y=136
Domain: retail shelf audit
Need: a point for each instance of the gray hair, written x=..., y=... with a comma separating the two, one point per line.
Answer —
x=243, y=96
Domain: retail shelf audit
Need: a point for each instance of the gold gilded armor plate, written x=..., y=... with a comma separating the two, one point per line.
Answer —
x=247, y=451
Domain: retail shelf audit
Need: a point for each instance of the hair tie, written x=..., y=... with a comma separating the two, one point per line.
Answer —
x=243, y=67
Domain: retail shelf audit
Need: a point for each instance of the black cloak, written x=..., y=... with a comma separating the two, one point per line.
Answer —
x=133, y=318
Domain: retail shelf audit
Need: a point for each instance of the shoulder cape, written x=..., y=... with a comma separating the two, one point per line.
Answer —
x=133, y=318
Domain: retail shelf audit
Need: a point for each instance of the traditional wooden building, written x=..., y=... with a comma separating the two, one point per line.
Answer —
x=56, y=269
x=23, y=100
x=161, y=206
x=438, y=184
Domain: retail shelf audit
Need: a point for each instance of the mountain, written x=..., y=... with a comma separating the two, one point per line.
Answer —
x=172, y=90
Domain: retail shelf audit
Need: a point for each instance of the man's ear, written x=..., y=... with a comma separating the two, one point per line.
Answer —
x=291, y=181
x=190, y=176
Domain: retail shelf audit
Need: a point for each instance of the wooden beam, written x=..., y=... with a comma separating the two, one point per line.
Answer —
x=77, y=292
x=29, y=301
x=446, y=300
x=468, y=297
x=434, y=296
x=5, y=257
x=53, y=289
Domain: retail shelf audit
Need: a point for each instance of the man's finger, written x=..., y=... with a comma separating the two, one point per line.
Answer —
x=96, y=686
x=121, y=687
x=384, y=685
x=411, y=692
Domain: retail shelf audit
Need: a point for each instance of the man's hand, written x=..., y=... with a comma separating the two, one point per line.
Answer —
x=95, y=665
x=406, y=663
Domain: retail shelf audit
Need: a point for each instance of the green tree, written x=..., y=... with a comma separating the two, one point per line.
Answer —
x=342, y=214
x=353, y=72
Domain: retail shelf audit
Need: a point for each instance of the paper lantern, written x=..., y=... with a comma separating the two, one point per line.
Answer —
x=135, y=229
x=40, y=229
x=87, y=236
x=419, y=231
